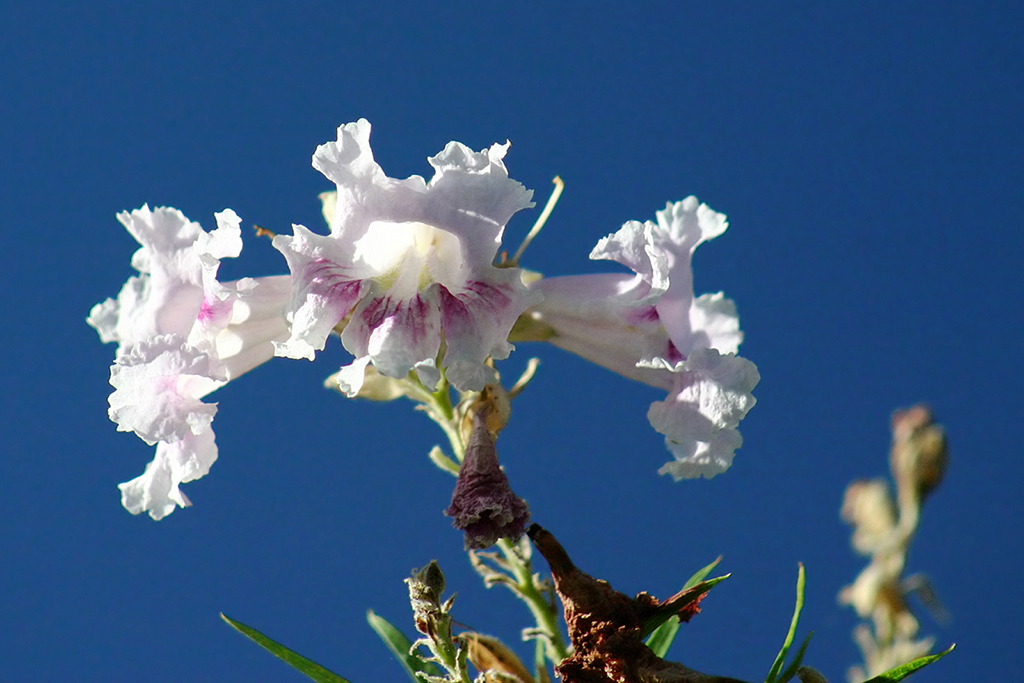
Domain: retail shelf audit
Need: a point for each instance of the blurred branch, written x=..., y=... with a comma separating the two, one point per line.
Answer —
x=883, y=529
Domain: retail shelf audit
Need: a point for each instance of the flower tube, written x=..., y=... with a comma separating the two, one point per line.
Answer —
x=650, y=327
x=181, y=334
x=408, y=265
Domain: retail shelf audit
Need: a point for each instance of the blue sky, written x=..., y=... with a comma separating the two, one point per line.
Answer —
x=869, y=160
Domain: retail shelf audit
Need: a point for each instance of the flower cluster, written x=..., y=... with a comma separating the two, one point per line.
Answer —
x=407, y=278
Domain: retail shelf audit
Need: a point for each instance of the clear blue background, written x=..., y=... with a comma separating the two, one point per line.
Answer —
x=869, y=159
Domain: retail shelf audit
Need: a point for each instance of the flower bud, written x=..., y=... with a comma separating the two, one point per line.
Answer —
x=426, y=586
x=919, y=452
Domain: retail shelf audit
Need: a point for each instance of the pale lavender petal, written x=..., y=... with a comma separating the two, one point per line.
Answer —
x=686, y=224
x=716, y=322
x=223, y=242
x=177, y=262
x=166, y=236
x=472, y=196
x=255, y=323
x=351, y=377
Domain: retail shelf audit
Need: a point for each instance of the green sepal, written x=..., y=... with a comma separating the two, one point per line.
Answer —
x=901, y=672
x=400, y=646
x=773, y=673
x=293, y=659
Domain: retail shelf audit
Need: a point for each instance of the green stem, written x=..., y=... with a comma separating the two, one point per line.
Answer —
x=438, y=406
x=543, y=611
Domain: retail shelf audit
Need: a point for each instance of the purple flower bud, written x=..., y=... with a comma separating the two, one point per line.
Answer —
x=483, y=504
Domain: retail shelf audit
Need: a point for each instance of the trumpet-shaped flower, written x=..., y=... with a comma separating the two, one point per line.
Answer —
x=181, y=334
x=407, y=265
x=650, y=327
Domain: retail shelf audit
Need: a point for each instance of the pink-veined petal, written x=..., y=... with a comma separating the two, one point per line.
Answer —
x=395, y=333
x=324, y=290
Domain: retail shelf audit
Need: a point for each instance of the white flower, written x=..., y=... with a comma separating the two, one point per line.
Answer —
x=181, y=334
x=649, y=327
x=408, y=264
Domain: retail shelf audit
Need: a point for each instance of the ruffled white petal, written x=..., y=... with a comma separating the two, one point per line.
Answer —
x=157, y=390
x=633, y=246
x=163, y=299
x=700, y=416
x=324, y=290
x=156, y=490
x=715, y=323
x=395, y=333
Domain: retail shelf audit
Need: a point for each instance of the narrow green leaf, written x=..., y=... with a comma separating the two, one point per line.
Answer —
x=791, y=670
x=901, y=672
x=702, y=574
x=293, y=659
x=400, y=647
x=671, y=607
x=777, y=665
x=665, y=632
x=661, y=640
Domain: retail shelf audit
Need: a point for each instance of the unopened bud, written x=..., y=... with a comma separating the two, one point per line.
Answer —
x=919, y=451
x=426, y=586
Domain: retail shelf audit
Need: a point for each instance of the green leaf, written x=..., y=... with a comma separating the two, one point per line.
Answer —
x=293, y=659
x=901, y=672
x=661, y=640
x=702, y=574
x=678, y=602
x=791, y=670
x=777, y=665
x=400, y=647
x=662, y=637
